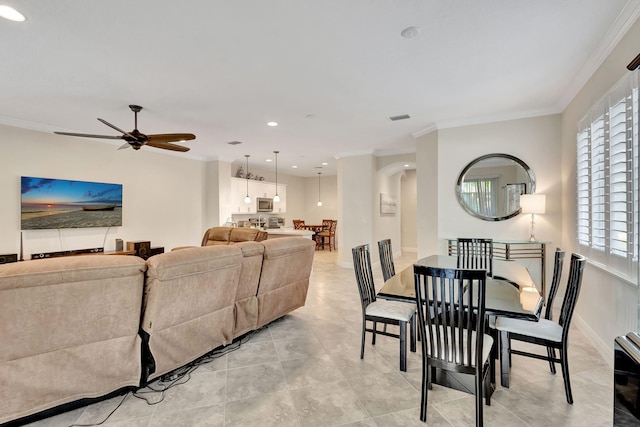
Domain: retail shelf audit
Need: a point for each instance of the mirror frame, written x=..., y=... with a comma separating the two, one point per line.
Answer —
x=527, y=169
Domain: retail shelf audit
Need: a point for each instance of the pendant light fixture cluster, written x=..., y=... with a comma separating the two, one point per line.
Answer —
x=276, y=198
x=247, y=199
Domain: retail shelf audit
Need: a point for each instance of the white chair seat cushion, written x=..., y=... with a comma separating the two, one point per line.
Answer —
x=486, y=345
x=543, y=328
x=391, y=310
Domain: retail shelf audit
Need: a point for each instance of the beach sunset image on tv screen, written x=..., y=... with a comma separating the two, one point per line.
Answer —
x=59, y=203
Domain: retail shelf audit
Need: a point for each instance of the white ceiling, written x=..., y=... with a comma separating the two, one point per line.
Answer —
x=331, y=72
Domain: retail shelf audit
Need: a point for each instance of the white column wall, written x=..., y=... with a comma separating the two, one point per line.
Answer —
x=408, y=227
x=427, y=176
x=355, y=195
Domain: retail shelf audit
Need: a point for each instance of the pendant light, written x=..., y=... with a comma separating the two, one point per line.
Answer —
x=247, y=199
x=319, y=201
x=276, y=198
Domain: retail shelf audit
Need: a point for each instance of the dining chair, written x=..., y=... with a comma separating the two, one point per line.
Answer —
x=475, y=253
x=329, y=232
x=450, y=338
x=386, y=259
x=558, y=262
x=380, y=310
x=545, y=332
x=298, y=224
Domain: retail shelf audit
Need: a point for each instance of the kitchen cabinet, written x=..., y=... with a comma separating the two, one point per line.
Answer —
x=256, y=189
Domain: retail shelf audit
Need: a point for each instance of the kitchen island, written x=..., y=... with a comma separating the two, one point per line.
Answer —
x=287, y=232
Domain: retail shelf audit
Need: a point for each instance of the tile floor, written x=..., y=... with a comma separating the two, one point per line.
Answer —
x=305, y=370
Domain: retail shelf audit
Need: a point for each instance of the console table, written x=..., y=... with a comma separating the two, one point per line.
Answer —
x=516, y=249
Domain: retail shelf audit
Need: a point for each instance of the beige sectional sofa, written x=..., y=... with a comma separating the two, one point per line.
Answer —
x=86, y=326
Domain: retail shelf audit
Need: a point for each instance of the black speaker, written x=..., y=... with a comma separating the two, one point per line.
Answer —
x=142, y=248
x=157, y=250
x=7, y=258
x=119, y=245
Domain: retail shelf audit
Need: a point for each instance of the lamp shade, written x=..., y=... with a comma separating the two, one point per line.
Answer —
x=533, y=203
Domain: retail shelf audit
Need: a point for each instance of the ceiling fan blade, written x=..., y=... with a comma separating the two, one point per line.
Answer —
x=170, y=137
x=88, y=135
x=123, y=146
x=112, y=126
x=167, y=146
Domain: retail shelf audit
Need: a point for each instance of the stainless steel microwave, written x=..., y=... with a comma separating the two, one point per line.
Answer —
x=264, y=204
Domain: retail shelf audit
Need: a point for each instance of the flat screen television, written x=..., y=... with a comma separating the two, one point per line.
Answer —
x=60, y=203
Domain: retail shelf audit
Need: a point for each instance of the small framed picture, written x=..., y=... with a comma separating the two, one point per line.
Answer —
x=388, y=204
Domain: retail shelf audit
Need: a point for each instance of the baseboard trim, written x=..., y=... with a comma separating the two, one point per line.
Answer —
x=606, y=351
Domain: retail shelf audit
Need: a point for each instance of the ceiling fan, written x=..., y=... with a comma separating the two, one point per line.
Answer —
x=137, y=139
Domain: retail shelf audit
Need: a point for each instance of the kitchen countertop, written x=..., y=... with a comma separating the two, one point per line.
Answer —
x=283, y=232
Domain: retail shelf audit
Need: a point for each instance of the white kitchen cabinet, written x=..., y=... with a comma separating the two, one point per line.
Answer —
x=256, y=189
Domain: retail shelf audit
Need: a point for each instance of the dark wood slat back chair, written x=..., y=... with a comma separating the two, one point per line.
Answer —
x=545, y=332
x=475, y=253
x=298, y=224
x=380, y=310
x=558, y=262
x=386, y=259
x=449, y=338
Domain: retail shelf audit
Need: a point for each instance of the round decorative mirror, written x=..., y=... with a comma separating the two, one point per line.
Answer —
x=490, y=186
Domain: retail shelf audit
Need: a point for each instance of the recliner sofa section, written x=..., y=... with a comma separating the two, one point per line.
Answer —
x=84, y=327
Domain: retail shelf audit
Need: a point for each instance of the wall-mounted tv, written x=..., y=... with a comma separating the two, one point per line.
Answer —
x=59, y=203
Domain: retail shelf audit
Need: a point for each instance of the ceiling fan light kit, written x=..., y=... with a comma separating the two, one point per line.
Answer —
x=137, y=139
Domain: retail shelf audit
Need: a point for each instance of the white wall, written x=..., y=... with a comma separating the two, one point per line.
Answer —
x=163, y=195
x=387, y=226
x=314, y=214
x=608, y=306
x=459, y=146
x=409, y=225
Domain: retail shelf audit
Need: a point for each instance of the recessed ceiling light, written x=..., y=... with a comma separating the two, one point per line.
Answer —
x=11, y=14
x=406, y=166
x=269, y=160
x=272, y=124
x=294, y=167
x=324, y=163
x=410, y=32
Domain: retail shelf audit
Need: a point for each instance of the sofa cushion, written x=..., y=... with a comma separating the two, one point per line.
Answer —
x=285, y=277
x=69, y=329
x=189, y=303
x=246, y=301
x=247, y=234
x=216, y=235
x=232, y=235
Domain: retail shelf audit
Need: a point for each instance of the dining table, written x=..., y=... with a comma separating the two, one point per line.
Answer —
x=316, y=228
x=509, y=292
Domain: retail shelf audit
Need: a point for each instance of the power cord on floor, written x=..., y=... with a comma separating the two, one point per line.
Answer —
x=174, y=378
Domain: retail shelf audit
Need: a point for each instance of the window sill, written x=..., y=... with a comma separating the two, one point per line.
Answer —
x=633, y=282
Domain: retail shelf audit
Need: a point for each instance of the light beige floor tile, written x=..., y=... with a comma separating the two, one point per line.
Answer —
x=384, y=393
x=328, y=404
x=266, y=410
x=250, y=381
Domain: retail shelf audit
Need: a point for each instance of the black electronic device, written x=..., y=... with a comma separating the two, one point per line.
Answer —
x=142, y=248
x=7, y=258
x=58, y=254
x=156, y=250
